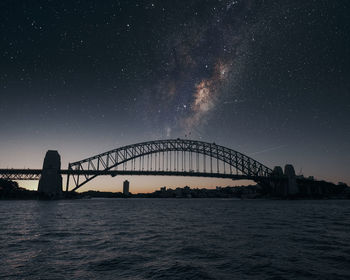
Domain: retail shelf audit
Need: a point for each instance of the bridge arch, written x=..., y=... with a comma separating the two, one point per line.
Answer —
x=245, y=167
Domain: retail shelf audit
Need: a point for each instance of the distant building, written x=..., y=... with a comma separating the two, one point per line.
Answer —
x=126, y=187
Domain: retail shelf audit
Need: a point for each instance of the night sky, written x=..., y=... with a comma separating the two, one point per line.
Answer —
x=270, y=79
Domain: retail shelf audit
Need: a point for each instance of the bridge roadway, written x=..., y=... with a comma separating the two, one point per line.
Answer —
x=34, y=174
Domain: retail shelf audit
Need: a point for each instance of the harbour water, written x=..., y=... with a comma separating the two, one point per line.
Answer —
x=175, y=239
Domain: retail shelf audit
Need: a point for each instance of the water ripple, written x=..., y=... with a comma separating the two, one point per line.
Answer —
x=174, y=239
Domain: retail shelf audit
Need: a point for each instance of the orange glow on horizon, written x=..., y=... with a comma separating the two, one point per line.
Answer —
x=145, y=184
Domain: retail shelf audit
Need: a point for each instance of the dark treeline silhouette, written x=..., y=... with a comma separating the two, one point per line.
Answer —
x=11, y=190
x=307, y=190
x=314, y=190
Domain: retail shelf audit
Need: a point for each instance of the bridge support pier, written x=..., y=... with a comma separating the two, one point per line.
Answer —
x=50, y=183
x=278, y=185
x=291, y=182
x=285, y=183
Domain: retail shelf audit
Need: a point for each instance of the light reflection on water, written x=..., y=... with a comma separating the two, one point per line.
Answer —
x=174, y=239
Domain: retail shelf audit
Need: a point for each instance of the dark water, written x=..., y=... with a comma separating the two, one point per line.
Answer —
x=174, y=239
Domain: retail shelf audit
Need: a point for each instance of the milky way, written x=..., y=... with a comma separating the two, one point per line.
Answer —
x=203, y=60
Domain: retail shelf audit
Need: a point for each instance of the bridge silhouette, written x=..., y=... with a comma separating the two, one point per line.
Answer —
x=171, y=157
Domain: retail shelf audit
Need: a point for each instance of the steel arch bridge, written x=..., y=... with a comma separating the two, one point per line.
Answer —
x=168, y=157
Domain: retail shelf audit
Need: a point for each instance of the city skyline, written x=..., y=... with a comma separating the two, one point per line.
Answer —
x=269, y=80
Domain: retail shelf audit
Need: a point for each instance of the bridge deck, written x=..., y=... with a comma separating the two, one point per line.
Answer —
x=34, y=174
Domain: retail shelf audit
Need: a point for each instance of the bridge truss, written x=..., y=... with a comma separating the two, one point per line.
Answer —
x=168, y=157
x=20, y=174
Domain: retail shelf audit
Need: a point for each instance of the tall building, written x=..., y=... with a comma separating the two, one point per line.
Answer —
x=126, y=187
